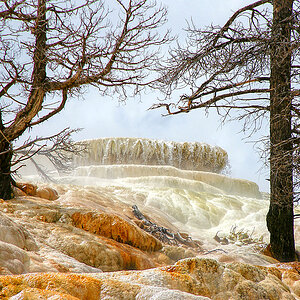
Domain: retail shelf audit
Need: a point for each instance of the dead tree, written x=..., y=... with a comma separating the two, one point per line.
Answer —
x=58, y=149
x=50, y=50
x=248, y=70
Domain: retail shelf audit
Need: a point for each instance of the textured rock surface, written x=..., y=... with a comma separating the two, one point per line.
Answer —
x=291, y=275
x=192, y=278
x=116, y=228
x=37, y=236
x=58, y=249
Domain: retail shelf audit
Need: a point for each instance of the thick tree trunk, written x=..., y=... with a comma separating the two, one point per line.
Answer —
x=5, y=164
x=280, y=218
x=5, y=174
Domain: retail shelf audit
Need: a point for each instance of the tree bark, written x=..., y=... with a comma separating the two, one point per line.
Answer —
x=280, y=218
x=5, y=176
x=5, y=164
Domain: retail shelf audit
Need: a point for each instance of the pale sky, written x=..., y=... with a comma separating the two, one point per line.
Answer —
x=105, y=117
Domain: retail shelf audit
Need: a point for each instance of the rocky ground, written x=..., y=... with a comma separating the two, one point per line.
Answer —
x=51, y=248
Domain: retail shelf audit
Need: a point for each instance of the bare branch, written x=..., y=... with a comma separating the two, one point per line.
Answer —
x=54, y=111
x=13, y=11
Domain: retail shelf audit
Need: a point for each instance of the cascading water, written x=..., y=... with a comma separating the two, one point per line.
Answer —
x=186, y=156
x=175, y=183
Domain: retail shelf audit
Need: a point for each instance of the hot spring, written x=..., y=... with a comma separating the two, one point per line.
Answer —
x=180, y=185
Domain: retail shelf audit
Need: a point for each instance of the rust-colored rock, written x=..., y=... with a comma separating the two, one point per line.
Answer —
x=116, y=228
x=132, y=258
x=65, y=286
x=18, y=192
x=225, y=281
x=70, y=286
x=39, y=294
x=188, y=279
x=291, y=275
x=29, y=189
x=47, y=193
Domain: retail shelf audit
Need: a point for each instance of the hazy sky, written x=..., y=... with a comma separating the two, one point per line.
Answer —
x=105, y=117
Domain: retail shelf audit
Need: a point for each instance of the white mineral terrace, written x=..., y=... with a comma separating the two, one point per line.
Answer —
x=186, y=156
x=175, y=181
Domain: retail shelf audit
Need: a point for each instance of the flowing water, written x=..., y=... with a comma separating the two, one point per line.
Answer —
x=176, y=183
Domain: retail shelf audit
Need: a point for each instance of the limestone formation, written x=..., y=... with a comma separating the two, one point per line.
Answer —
x=116, y=228
x=71, y=248
x=291, y=275
x=103, y=240
x=99, y=231
x=192, y=278
x=187, y=156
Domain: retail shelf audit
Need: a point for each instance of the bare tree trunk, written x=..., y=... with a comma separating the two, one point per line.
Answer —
x=5, y=176
x=33, y=106
x=280, y=218
x=5, y=163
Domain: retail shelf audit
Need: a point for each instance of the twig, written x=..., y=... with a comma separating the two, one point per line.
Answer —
x=214, y=250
